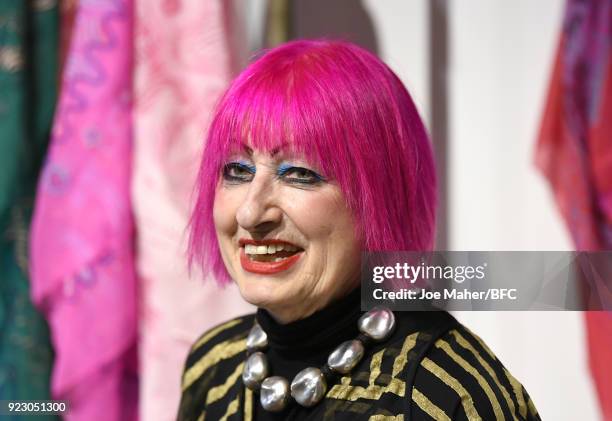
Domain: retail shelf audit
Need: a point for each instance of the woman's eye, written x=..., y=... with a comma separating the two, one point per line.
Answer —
x=237, y=172
x=300, y=175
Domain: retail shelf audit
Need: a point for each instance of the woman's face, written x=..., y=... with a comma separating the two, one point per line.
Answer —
x=286, y=235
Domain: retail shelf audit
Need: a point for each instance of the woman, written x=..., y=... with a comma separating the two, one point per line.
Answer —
x=317, y=153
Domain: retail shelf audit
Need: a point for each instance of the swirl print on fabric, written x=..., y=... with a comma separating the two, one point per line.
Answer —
x=82, y=236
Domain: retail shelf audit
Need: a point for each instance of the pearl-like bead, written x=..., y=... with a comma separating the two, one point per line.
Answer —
x=255, y=370
x=308, y=386
x=257, y=338
x=274, y=393
x=346, y=356
x=377, y=323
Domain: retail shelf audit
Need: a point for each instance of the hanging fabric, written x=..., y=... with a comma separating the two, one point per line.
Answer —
x=574, y=152
x=29, y=34
x=182, y=66
x=82, y=234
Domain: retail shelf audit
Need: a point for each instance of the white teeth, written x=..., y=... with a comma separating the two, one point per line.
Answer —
x=269, y=249
x=278, y=259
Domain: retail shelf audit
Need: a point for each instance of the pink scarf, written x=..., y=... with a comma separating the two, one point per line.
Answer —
x=181, y=69
x=82, y=235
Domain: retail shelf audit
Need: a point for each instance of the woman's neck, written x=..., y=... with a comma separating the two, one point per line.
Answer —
x=284, y=314
x=319, y=329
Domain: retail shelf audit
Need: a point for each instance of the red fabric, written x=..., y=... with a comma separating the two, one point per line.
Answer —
x=574, y=152
x=599, y=324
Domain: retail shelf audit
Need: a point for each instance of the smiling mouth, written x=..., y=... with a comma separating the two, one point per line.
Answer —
x=270, y=253
x=268, y=256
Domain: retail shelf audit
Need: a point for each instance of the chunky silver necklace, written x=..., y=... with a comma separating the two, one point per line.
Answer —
x=310, y=385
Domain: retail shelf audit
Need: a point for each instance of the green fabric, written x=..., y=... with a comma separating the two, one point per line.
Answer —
x=29, y=34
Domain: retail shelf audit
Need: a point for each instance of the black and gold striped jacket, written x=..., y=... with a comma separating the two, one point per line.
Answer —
x=432, y=368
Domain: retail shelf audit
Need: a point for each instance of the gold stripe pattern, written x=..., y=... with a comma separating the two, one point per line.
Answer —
x=351, y=393
x=466, y=400
x=218, y=392
x=248, y=404
x=202, y=415
x=232, y=408
x=532, y=409
x=346, y=391
x=518, y=392
x=334, y=406
x=402, y=358
x=445, y=346
x=465, y=344
x=428, y=406
x=380, y=417
x=214, y=332
x=221, y=351
x=375, y=365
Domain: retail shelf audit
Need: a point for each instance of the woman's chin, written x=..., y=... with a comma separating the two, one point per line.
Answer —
x=260, y=293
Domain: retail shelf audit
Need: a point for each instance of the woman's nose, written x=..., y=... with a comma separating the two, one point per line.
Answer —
x=259, y=212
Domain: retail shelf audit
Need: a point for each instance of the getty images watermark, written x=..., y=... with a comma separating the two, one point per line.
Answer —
x=486, y=280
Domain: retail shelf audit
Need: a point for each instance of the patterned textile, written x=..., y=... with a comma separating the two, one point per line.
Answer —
x=432, y=368
x=574, y=152
x=181, y=67
x=81, y=241
x=28, y=70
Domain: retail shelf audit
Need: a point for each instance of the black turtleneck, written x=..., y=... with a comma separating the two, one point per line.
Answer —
x=315, y=333
x=307, y=342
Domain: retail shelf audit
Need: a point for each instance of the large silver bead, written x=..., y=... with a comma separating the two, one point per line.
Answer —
x=255, y=370
x=308, y=386
x=257, y=338
x=274, y=393
x=346, y=356
x=377, y=323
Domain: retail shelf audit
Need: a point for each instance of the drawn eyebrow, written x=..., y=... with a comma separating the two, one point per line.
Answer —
x=273, y=152
x=248, y=150
x=278, y=149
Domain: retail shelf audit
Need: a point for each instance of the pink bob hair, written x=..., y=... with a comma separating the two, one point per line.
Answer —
x=342, y=109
